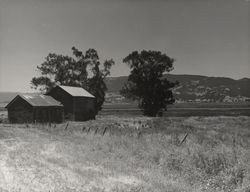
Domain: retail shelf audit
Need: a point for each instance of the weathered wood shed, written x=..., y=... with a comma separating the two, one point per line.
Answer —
x=79, y=104
x=26, y=108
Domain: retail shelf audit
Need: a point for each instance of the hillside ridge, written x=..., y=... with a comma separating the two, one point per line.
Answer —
x=194, y=88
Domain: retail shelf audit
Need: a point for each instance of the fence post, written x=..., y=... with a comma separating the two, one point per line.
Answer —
x=105, y=129
x=96, y=130
x=66, y=126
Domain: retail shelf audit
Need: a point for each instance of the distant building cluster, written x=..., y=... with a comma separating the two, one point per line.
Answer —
x=236, y=99
x=114, y=97
x=190, y=97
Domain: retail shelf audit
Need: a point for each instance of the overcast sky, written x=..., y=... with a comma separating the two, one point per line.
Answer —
x=206, y=37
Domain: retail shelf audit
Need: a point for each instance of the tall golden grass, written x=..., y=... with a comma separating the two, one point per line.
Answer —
x=151, y=154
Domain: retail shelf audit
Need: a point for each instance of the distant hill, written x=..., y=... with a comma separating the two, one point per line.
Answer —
x=198, y=88
x=192, y=88
x=5, y=97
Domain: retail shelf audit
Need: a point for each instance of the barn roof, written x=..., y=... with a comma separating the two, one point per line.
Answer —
x=76, y=91
x=38, y=100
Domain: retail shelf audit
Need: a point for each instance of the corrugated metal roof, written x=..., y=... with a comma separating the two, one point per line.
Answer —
x=76, y=91
x=40, y=100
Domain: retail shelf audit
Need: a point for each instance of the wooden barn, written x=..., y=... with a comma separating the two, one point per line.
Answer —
x=34, y=108
x=79, y=104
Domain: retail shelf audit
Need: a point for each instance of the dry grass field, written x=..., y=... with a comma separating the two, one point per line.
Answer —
x=118, y=154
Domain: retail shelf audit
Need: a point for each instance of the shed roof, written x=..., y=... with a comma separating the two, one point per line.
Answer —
x=38, y=100
x=76, y=91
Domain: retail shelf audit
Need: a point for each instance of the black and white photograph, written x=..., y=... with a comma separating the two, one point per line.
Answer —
x=124, y=96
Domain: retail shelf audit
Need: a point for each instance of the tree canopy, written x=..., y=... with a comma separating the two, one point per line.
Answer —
x=82, y=70
x=146, y=82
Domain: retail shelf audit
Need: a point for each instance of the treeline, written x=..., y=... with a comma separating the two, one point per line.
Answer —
x=146, y=82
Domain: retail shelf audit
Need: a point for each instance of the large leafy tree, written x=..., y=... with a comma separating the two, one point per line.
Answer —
x=146, y=82
x=83, y=70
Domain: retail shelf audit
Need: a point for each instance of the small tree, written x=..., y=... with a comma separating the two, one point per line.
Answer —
x=84, y=70
x=146, y=82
